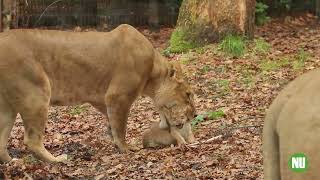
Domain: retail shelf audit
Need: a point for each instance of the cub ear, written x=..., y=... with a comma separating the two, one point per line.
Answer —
x=174, y=69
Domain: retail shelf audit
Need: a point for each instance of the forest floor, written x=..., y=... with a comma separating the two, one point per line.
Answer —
x=241, y=88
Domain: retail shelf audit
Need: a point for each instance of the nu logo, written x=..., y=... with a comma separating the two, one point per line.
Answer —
x=298, y=162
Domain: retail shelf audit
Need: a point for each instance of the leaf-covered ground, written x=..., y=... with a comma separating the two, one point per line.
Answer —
x=242, y=88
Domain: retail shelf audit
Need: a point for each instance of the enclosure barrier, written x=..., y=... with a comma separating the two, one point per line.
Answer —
x=107, y=13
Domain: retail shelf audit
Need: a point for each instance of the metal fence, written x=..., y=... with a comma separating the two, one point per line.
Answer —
x=110, y=13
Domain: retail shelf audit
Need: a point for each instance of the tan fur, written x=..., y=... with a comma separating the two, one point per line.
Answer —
x=157, y=137
x=292, y=126
x=109, y=70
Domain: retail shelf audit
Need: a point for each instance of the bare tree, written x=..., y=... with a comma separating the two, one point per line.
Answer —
x=210, y=20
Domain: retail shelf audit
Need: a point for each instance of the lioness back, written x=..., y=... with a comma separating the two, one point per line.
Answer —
x=75, y=64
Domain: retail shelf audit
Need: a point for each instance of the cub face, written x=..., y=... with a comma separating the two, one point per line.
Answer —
x=158, y=137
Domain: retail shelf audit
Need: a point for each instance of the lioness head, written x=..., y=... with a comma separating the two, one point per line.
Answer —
x=174, y=98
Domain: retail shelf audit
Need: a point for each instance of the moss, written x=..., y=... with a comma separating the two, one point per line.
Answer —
x=179, y=42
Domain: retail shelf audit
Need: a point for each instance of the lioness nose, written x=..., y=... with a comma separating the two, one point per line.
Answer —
x=195, y=115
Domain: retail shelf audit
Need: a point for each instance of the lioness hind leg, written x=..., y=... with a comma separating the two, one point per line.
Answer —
x=7, y=117
x=34, y=123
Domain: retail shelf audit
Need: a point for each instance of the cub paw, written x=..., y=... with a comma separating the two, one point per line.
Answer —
x=61, y=158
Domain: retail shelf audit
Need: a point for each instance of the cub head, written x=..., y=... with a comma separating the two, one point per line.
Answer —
x=174, y=98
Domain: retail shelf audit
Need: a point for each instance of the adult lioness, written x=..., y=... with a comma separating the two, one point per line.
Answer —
x=292, y=125
x=108, y=70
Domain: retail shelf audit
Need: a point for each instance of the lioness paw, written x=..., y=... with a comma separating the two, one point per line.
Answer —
x=134, y=148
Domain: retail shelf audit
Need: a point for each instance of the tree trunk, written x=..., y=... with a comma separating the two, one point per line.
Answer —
x=211, y=20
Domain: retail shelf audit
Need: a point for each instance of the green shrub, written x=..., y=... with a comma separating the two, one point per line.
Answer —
x=261, y=13
x=233, y=45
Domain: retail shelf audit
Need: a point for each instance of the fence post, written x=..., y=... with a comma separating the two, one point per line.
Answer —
x=153, y=13
x=318, y=8
x=1, y=12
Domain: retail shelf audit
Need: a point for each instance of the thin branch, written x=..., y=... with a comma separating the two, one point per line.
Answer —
x=46, y=10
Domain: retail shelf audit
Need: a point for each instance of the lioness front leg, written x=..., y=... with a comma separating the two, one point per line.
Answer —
x=118, y=107
x=188, y=130
x=103, y=109
x=34, y=118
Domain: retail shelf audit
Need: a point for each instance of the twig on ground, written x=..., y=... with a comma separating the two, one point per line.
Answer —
x=241, y=127
x=206, y=141
x=220, y=136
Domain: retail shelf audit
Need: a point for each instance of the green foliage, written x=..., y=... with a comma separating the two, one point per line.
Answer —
x=284, y=4
x=300, y=59
x=247, y=79
x=223, y=83
x=215, y=114
x=302, y=55
x=273, y=65
x=77, y=110
x=268, y=65
x=223, y=87
x=233, y=45
x=197, y=120
x=205, y=69
x=261, y=13
x=281, y=6
x=179, y=43
x=212, y=115
x=188, y=57
x=261, y=46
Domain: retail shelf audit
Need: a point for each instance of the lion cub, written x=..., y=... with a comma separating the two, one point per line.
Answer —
x=157, y=137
